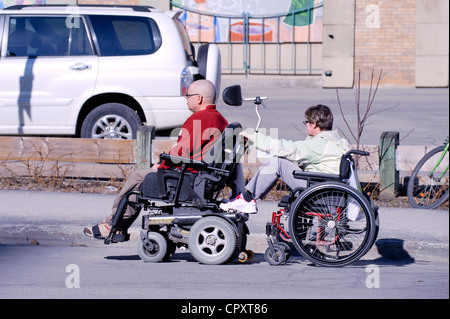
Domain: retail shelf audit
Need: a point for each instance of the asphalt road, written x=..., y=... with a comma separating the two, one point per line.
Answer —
x=416, y=267
x=117, y=272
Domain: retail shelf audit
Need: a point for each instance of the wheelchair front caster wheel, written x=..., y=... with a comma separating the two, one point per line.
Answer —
x=277, y=257
x=251, y=254
x=153, y=247
x=287, y=249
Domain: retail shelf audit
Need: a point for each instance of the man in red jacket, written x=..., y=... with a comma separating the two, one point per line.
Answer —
x=197, y=136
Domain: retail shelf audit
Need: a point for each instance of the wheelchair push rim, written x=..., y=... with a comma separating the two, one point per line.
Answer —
x=332, y=224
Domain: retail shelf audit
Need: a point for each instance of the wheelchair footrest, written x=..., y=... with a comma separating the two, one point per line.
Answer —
x=284, y=202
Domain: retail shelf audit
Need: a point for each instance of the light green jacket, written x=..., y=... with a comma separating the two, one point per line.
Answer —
x=321, y=153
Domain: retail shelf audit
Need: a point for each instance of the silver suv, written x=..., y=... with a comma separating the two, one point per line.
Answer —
x=96, y=71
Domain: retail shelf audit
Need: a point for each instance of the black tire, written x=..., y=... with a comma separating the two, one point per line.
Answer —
x=212, y=240
x=332, y=224
x=276, y=258
x=153, y=250
x=287, y=249
x=425, y=191
x=111, y=121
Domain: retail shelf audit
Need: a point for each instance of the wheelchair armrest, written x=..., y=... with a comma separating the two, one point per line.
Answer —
x=219, y=171
x=315, y=176
x=175, y=159
x=357, y=152
x=189, y=162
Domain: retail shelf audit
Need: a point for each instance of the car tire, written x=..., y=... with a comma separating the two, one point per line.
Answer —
x=111, y=121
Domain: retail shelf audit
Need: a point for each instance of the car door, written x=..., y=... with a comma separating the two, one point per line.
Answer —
x=47, y=69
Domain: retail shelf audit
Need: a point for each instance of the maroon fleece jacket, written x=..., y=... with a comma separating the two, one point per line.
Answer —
x=198, y=134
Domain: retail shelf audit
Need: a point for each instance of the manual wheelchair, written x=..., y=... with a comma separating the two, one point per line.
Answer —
x=332, y=221
x=180, y=206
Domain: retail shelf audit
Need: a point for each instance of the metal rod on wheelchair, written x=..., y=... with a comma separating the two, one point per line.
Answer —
x=258, y=101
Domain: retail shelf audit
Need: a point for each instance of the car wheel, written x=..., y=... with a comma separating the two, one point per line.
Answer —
x=111, y=121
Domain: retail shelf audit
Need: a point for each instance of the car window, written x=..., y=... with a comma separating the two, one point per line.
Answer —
x=123, y=35
x=1, y=33
x=188, y=48
x=46, y=36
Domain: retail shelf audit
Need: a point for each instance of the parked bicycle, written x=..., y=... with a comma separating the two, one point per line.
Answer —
x=428, y=184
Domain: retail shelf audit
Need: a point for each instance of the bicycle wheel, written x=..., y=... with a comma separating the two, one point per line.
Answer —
x=332, y=224
x=428, y=184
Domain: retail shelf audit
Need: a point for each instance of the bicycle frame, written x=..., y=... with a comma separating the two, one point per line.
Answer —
x=439, y=162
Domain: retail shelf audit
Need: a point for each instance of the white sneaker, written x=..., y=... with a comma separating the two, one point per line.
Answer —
x=240, y=205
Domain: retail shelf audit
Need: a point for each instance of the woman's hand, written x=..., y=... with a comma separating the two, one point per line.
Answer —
x=246, y=135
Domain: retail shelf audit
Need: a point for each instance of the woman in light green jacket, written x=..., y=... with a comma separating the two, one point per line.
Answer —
x=320, y=152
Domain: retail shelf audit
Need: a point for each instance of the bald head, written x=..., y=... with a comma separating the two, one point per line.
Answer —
x=206, y=89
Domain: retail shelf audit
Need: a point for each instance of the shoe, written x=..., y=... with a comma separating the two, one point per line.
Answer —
x=99, y=231
x=240, y=205
x=102, y=230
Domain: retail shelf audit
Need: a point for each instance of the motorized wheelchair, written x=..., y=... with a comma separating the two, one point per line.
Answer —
x=332, y=221
x=180, y=206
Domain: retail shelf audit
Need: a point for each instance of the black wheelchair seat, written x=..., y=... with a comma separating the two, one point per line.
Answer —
x=163, y=184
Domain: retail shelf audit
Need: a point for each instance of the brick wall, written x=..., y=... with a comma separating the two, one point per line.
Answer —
x=385, y=38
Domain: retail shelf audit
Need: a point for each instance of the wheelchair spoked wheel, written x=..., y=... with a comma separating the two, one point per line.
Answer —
x=332, y=224
x=154, y=247
x=212, y=240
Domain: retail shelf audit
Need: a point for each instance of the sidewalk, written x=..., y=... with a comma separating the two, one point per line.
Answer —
x=59, y=218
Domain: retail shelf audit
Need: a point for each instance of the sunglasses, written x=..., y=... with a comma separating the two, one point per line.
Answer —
x=189, y=95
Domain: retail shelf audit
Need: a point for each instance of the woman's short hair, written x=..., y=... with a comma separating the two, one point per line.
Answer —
x=320, y=115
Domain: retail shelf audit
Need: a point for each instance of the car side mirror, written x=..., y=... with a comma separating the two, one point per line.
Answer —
x=232, y=95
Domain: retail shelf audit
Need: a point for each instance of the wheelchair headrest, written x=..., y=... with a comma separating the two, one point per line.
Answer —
x=232, y=95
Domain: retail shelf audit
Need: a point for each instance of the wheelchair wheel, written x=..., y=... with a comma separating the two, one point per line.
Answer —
x=277, y=257
x=154, y=248
x=212, y=240
x=332, y=224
